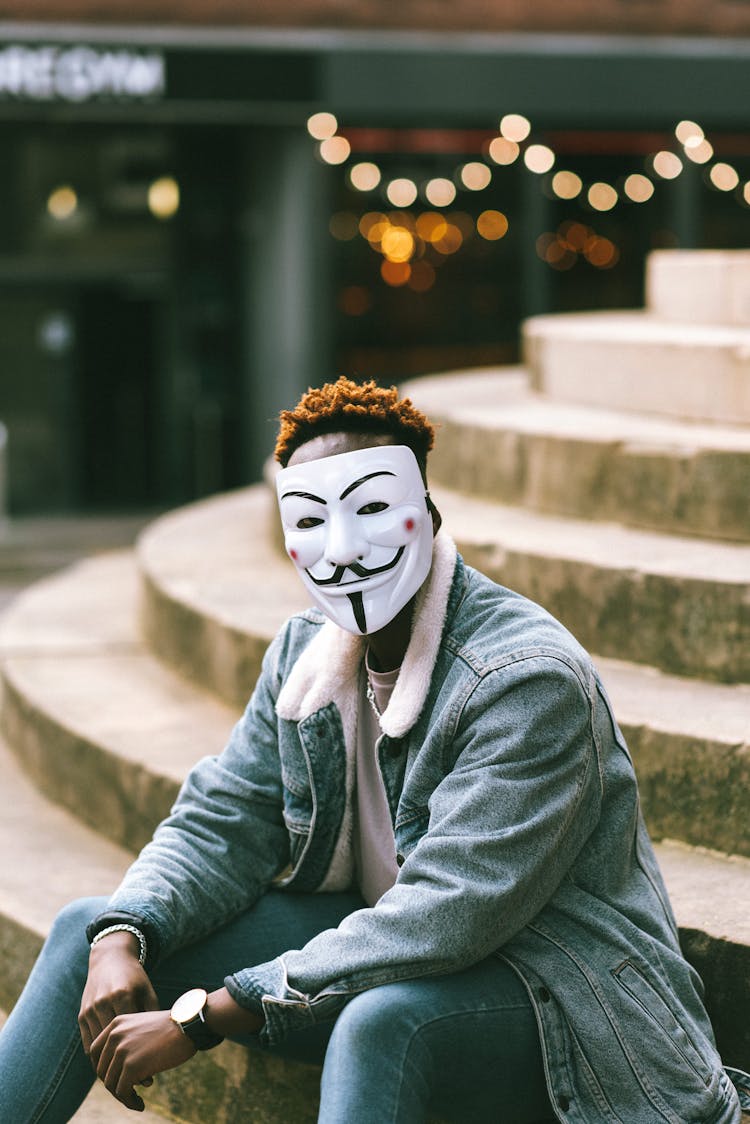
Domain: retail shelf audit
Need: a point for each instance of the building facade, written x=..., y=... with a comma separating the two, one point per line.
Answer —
x=186, y=243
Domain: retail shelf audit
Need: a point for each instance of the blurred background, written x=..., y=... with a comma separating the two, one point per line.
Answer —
x=205, y=207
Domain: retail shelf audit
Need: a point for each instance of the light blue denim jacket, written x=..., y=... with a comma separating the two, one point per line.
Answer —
x=518, y=831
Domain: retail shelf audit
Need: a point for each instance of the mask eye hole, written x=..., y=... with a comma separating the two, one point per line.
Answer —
x=373, y=508
x=308, y=522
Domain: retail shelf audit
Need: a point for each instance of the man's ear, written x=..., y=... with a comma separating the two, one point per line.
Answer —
x=437, y=518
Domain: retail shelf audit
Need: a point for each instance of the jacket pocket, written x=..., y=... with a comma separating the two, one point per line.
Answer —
x=635, y=984
x=298, y=814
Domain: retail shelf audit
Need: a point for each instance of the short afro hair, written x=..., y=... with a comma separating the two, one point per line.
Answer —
x=350, y=407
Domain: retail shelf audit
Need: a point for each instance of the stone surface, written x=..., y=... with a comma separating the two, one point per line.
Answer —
x=699, y=286
x=689, y=739
x=498, y=440
x=88, y=709
x=680, y=604
x=677, y=603
x=634, y=361
x=212, y=586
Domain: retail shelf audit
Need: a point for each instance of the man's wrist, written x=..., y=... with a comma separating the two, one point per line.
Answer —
x=128, y=930
x=226, y=1017
x=119, y=942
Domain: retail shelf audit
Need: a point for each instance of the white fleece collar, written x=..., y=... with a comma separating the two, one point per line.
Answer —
x=328, y=669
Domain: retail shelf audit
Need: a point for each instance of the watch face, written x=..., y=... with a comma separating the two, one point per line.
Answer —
x=189, y=1005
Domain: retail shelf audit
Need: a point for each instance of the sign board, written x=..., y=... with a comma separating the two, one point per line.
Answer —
x=80, y=74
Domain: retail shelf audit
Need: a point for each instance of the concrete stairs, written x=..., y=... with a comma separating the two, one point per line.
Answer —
x=630, y=524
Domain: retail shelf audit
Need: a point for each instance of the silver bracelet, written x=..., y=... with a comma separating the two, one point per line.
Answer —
x=142, y=946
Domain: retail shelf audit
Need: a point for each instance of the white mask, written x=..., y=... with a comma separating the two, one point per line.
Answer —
x=358, y=528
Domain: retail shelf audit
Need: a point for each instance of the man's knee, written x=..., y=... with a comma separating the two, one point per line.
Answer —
x=380, y=1015
x=69, y=927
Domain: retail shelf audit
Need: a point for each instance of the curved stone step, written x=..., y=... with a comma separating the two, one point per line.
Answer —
x=213, y=580
x=498, y=440
x=102, y=726
x=637, y=361
x=55, y=859
x=699, y=286
x=109, y=731
x=59, y=859
x=680, y=604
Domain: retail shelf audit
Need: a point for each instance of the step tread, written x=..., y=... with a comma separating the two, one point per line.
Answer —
x=55, y=857
x=605, y=545
x=500, y=399
x=233, y=588
x=637, y=327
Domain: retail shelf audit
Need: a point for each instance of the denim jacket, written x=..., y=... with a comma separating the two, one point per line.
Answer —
x=518, y=831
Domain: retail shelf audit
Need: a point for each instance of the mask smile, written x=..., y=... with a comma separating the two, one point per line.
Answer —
x=362, y=573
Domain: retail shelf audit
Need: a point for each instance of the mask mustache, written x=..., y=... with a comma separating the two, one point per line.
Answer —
x=357, y=569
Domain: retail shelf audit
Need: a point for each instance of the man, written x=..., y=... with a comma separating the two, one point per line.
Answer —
x=420, y=859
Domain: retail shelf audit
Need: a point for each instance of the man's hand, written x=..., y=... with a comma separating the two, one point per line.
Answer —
x=116, y=985
x=132, y=1048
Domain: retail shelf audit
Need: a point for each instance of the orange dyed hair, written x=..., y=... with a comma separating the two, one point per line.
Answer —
x=347, y=406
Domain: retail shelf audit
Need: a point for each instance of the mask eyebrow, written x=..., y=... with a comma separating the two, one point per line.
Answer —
x=304, y=496
x=362, y=480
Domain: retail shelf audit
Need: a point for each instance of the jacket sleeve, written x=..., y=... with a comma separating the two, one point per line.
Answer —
x=187, y=881
x=506, y=822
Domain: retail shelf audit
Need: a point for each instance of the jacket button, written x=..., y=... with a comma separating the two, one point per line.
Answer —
x=563, y=1103
x=400, y=860
x=544, y=995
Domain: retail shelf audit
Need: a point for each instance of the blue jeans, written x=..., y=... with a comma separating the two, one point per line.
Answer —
x=465, y=1046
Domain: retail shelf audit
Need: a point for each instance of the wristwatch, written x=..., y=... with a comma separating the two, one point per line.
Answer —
x=189, y=1012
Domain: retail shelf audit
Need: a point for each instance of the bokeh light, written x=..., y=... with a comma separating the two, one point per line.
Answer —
x=364, y=176
x=422, y=277
x=164, y=197
x=538, y=158
x=567, y=185
x=476, y=176
x=440, y=192
x=395, y=273
x=724, y=177
x=687, y=132
x=515, y=127
x=638, y=188
x=699, y=153
x=492, y=225
x=431, y=226
x=397, y=244
x=503, y=151
x=335, y=150
x=401, y=192
x=602, y=196
x=667, y=164
x=601, y=252
x=62, y=203
x=321, y=126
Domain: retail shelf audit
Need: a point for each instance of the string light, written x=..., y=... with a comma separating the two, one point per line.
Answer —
x=365, y=176
x=724, y=177
x=402, y=239
x=440, y=192
x=321, y=126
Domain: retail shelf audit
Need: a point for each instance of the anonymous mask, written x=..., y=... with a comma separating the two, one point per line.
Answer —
x=358, y=529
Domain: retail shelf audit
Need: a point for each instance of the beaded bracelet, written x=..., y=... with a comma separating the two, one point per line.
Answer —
x=142, y=947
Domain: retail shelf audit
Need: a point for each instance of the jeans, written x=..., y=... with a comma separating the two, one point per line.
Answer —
x=465, y=1046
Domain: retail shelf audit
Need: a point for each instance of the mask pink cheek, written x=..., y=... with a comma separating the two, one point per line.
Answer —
x=303, y=554
x=396, y=528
